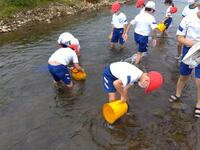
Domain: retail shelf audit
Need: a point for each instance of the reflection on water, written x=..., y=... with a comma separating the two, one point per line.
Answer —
x=35, y=115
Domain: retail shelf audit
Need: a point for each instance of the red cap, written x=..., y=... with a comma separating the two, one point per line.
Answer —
x=139, y=3
x=155, y=82
x=173, y=9
x=115, y=7
x=74, y=47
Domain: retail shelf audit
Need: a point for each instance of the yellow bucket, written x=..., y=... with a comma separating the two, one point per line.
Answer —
x=114, y=110
x=78, y=75
x=110, y=36
x=161, y=26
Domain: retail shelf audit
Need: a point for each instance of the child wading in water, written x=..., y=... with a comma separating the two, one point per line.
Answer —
x=168, y=17
x=143, y=28
x=188, y=34
x=118, y=25
x=118, y=77
x=67, y=53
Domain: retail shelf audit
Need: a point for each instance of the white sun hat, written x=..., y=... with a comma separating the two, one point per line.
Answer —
x=151, y=4
x=65, y=38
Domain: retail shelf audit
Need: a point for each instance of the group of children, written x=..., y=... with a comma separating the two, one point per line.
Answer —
x=120, y=76
x=144, y=25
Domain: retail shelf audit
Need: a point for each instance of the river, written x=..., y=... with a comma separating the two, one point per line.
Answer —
x=36, y=116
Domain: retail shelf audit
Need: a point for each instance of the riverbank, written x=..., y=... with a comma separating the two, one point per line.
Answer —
x=47, y=13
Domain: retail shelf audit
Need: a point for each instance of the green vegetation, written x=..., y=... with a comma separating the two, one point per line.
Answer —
x=10, y=7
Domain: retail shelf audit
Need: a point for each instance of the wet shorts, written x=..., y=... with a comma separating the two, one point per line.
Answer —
x=108, y=80
x=60, y=72
x=184, y=69
x=142, y=41
x=168, y=22
x=117, y=36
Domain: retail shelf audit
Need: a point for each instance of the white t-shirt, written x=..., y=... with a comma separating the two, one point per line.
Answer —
x=119, y=20
x=168, y=13
x=126, y=72
x=142, y=10
x=187, y=11
x=190, y=27
x=64, y=56
x=144, y=23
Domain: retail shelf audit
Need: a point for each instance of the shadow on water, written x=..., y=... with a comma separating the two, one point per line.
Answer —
x=35, y=115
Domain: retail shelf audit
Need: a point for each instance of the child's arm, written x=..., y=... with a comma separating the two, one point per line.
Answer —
x=166, y=18
x=125, y=28
x=78, y=67
x=118, y=85
x=112, y=28
x=154, y=36
x=125, y=36
x=185, y=41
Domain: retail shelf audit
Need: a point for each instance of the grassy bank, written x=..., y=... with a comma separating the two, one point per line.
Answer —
x=10, y=7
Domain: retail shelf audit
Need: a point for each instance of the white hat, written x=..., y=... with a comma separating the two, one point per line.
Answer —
x=191, y=1
x=65, y=38
x=151, y=4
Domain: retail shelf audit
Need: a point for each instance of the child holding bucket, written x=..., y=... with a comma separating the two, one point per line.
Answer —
x=143, y=28
x=119, y=22
x=188, y=35
x=120, y=76
x=57, y=63
x=168, y=17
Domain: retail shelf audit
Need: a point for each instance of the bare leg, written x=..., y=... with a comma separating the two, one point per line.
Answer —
x=112, y=45
x=112, y=97
x=122, y=46
x=198, y=92
x=70, y=85
x=138, y=58
x=179, y=49
x=181, y=84
x=56, y=83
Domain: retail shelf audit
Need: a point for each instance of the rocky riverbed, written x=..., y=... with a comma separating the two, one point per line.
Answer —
x=48, y=13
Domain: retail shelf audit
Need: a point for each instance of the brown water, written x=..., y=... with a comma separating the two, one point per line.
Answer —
x=36, y=116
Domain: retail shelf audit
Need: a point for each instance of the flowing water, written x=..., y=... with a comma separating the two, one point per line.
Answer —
x=36, y=116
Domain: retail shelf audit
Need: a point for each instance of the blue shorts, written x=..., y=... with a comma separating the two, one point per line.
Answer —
x=108, y=80
x=184, y=69
x=60, y=72
x=142, y=41
x=168, y=22
x=117, y=36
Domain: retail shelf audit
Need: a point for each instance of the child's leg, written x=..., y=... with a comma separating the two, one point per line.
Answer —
x=121, y=39
x=179, y=50
x=138, y=58
x=115, y=38
x=112, y=45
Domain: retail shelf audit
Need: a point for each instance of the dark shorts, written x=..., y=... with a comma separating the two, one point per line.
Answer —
x=168, y=22
x=184, y=69
x=117, y=36
x=59, y=73
x=142, y=41
x=108, y=80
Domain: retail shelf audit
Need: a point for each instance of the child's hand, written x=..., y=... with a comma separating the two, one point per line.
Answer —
x=124, y=98
x=125, y=36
